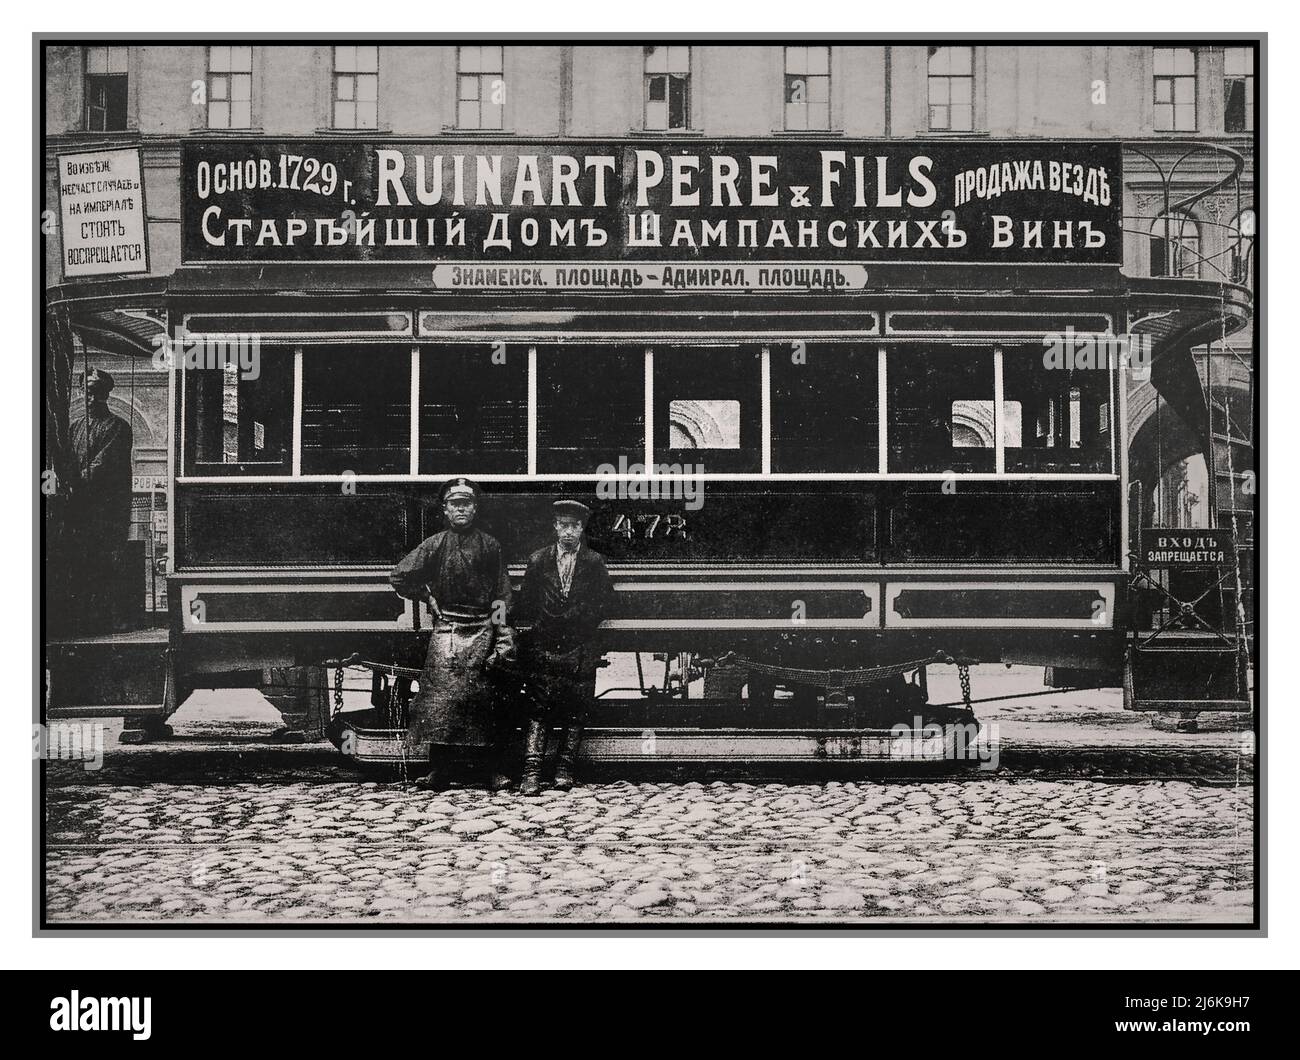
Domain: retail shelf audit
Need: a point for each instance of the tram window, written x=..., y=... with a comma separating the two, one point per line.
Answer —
x=707, y=403
x=242, y=425
x=1062, y=416
x=356, y=410
x=474, y=410
x=824, y=414
x=940, y=404
x=590, y=408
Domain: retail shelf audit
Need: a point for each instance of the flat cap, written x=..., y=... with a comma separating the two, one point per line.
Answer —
x=571, y=507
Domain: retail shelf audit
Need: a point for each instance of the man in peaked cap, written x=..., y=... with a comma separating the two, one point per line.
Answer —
x=461, y=574
x=566, y=593
x=99, y=513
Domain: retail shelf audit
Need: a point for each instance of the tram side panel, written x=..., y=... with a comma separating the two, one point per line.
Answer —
x=825, y=575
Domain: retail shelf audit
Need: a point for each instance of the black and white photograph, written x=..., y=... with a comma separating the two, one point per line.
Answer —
x=606, y=481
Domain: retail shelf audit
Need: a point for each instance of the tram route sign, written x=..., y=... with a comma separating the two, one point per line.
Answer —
x=652, y=276
x=689, y=203
x=1184, y=549
x=102, y=213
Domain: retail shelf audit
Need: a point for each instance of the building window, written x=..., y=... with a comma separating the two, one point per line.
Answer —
x=1238, y=90
x=590, y=408
x=106, y=89
x=952, y=89
x=667, y=87
x=807, y=88
x=1175, y=246
x=230, y=86
x=238, y=425
x=940, y=405
x=473, y=410
x=480, y=86
x=1175, y=89
x=356, y=86
x=358, y=422
x=824, y=415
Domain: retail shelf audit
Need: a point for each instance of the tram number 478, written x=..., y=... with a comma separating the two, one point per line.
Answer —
x=649, y=525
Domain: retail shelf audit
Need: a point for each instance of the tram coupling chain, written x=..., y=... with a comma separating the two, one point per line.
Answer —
x=839, y=678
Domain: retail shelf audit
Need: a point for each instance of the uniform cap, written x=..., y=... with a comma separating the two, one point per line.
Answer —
x=458, y=487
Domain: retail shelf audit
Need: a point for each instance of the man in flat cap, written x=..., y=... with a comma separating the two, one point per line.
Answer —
x=461, y=574
x=565, y=594
x=99, y=512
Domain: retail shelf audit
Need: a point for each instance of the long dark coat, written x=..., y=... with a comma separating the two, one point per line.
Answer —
x=558, y=654
x=101, y=494
x=465, y=578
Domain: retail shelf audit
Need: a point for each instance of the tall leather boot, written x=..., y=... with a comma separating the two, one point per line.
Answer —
x=534, y=752
x=568, y=754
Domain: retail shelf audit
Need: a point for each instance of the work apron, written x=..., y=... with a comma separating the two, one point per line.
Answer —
x=455, y=704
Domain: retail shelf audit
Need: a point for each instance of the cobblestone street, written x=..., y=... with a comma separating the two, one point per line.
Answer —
x=982, y=849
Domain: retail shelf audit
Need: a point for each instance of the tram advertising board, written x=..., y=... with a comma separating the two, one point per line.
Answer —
x=697, y=203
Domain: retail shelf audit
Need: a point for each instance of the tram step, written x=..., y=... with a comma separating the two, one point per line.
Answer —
x=1187, y=676
x=126, y=672
x=955, y=744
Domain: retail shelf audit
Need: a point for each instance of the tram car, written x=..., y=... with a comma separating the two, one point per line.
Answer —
x=804, y=499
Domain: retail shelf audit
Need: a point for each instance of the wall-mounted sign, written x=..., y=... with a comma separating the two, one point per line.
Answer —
x=102, y=213
x=691, y=204
x=1186, y=548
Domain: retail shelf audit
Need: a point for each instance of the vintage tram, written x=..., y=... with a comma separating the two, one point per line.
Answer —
x=804, y=496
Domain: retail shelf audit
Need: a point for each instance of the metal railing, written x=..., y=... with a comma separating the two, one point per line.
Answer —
x=1234, y=253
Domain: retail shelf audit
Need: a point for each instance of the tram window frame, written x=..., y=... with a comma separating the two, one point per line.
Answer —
x=276, y=367
x=650, y=391
x=678, y=373
x=794, y=394
x=351, y=357
x=614, y=447
x=507, y=374
x=1060, y=419
x=963, y=459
